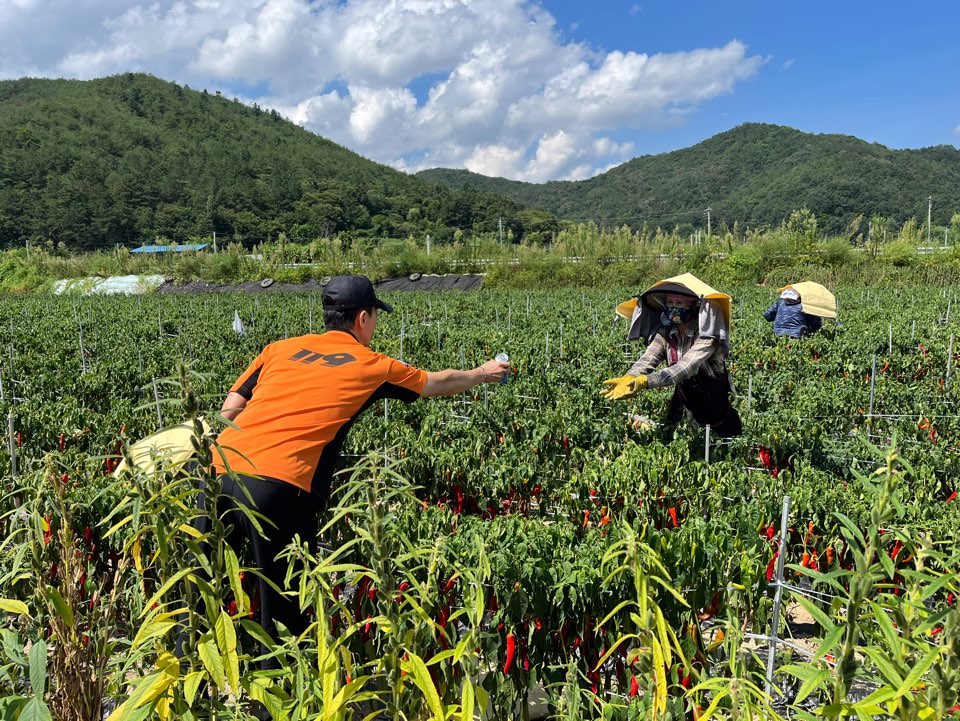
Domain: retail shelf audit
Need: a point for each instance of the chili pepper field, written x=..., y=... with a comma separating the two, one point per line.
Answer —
x=520, y=550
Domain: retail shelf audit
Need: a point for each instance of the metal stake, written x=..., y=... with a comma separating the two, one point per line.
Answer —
x=873, y=381
x=706, y=444
x=13, y=447
x=156, y=397
x=775, y=624
x=949, y=362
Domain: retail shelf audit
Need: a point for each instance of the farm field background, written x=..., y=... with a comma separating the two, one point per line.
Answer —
x=474, y=559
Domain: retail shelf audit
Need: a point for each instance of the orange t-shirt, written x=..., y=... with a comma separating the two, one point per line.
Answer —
x=303, y=395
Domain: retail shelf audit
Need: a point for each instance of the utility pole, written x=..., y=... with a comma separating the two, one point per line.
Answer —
x=929, y=213
x=707, y=213
x=500, y=226
x=428, y=243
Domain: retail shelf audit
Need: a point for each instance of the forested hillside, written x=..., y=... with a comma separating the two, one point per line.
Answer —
x=754, y=174
x=127, y=158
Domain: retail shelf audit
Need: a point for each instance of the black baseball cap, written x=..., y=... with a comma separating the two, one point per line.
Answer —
x=352, y=292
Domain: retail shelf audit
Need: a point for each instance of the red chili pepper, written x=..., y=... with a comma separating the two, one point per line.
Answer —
x=896, y=550
x=401, y=590
x=450, y=585
x=62, y=443
x=953, y=497
x=805, y=561
x=358, y=599
x=770, y=532
x=372, y=594
x=673, y=517
x=19, y=439
x=634, y=686
x=511, y=652
x=771, y=566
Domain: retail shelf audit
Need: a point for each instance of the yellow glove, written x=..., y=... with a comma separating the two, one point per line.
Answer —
x=624, y=387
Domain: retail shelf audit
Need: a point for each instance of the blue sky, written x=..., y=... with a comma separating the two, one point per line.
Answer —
x=887, y=72
x=527, y=89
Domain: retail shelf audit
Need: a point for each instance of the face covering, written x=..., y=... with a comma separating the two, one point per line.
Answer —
x=676, y=315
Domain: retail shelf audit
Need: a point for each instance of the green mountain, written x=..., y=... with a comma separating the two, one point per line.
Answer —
x=127, y=158
x=754, y=174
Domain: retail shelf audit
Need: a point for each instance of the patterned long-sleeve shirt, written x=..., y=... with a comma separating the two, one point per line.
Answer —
x=692, y=354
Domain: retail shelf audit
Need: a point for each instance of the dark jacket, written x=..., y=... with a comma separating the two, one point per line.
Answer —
x=789, y=319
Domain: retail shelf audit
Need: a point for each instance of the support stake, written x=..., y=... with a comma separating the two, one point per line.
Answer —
x=778, y=596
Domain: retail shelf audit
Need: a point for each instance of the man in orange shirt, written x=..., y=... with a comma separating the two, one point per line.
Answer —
x=292, y=409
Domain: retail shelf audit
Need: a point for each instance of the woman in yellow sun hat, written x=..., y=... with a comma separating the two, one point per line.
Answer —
x=686, y=324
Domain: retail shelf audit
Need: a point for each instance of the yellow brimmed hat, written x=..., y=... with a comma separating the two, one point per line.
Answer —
x=687, y=283
x=814, y=299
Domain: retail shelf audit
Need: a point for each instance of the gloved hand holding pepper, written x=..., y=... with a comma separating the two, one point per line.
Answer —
x=623, y=387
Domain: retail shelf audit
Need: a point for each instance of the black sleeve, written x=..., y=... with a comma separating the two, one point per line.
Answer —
x=246, y=387
x=391, y=390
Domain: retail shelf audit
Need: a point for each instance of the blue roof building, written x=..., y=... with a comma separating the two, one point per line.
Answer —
x=169, y=248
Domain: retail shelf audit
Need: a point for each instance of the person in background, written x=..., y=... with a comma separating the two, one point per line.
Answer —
x=690, y=333
x=292, y=409
x=788, y=317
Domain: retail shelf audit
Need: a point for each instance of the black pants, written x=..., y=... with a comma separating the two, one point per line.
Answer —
x=708, y=400
x=289, y=512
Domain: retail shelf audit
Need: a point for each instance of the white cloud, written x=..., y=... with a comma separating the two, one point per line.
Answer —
x=957, y=129
x=499, y=91
x=789, y=64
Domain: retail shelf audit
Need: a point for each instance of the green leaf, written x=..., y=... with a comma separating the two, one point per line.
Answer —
x=812, y=684
x=467, y=701
x=851, y=528
x=38, y=669
x=260, y=689
x=60, y=606
x=829, y=642
x=883, y=663
x=12, y=606
x=233, y=573
x=210, y=658
x=227, y=641
x=168, y=673
x=910, y=682
x=152, y=630
x=35, y=710
x=421, y=677
x=155, y=598
x=818, y=615
x=191, y=683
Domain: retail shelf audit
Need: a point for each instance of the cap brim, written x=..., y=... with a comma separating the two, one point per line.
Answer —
x=384, y=306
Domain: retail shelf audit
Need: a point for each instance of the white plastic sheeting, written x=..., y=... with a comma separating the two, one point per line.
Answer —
x=116, y=285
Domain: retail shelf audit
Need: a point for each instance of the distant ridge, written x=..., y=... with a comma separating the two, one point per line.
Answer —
x=130, y=157
x=755, y=174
